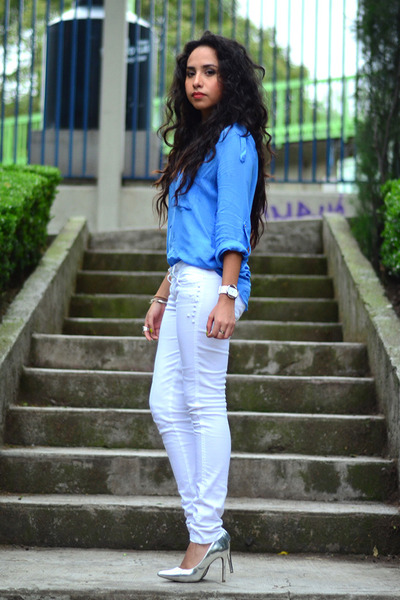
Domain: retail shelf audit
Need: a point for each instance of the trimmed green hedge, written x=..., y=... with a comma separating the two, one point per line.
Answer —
x=390, y=249
x=26, y=196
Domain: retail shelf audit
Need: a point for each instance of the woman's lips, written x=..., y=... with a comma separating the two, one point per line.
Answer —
x=198, y=95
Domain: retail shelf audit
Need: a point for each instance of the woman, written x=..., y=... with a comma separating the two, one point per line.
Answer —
x=215, y=179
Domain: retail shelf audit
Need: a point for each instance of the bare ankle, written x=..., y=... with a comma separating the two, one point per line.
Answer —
x=194, y=554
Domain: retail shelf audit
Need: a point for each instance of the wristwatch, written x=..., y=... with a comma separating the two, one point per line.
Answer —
x=230, y=290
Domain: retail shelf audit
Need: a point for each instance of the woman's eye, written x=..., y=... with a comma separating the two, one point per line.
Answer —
x=189, y=74
x=210, y=72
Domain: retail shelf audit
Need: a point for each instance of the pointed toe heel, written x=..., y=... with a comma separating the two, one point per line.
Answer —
x=219, y=549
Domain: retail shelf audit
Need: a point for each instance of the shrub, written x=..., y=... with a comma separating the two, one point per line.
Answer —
x=390, y=249
x=26, y=196
x=378, y=109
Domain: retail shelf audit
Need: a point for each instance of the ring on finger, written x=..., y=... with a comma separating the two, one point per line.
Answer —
x=221, y=331
x=144, y=328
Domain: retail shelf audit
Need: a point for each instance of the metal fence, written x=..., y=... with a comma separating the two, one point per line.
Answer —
x=50, y=64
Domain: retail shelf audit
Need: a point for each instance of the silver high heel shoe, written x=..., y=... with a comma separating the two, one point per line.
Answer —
x=219, y=549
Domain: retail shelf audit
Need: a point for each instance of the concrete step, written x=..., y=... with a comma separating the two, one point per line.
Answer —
x=273, y=286
x=128, y=239
x=298, y=358
x=123, y=389
x=293, y=309
x=251, y=432
x=119, y=282
x=152, y=260
x=257, y=330
x=288, y=264
x=293, y=235
x=251, y=357
x=292, y=286
x=47, y=470
x=127, y=260
x=148, y=523
x=273, y=309
x=105, y=574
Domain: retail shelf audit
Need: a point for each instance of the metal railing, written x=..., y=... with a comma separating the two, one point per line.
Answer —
x=50, y=69
x=15, y=137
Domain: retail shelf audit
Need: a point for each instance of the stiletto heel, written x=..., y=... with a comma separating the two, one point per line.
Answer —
x=223, y=569
x=230, y=560
x=219, y=549
x=225, y=558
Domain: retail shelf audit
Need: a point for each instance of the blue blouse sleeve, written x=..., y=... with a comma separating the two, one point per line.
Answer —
x=236, y=180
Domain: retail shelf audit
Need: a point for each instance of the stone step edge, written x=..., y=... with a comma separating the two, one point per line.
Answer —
x=47, y=470
x=244, y=504
x=89, y=452
x=106, y=574
x=137, y=251
x=379, y=418
x=264, y=322
x=133, y=273
x=150, y=523
x=306, y=378
x=254, y=300
x=236, y=341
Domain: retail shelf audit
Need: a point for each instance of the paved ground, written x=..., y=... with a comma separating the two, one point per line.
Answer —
x=71, y=574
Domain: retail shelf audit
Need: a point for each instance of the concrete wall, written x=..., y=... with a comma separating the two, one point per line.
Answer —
x=367, y=317
x=40, y=306
x=135, y=204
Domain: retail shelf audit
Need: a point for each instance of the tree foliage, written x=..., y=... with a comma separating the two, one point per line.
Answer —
x=378, y=127
x=184, y=23
x=390, y=250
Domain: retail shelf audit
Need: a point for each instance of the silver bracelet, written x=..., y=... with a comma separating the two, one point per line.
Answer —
x=158, y=300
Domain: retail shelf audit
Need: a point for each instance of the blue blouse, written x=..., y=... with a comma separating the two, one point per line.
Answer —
x=214, y=215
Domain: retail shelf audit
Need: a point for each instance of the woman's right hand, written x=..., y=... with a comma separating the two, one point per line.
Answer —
x=153, y=321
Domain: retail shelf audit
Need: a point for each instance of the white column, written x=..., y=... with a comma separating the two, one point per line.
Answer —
x=112, y=114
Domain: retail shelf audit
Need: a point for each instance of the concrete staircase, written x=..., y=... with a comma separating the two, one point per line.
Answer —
x=84, y=465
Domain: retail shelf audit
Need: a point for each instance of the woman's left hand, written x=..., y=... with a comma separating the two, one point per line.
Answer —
x=221, y=321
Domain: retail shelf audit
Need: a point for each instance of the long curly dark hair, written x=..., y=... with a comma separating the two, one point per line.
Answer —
x=242, y=102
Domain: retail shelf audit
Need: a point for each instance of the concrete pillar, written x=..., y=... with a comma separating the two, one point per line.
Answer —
x=112, y=114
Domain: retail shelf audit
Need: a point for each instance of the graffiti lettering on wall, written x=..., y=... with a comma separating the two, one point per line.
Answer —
x=297, y=209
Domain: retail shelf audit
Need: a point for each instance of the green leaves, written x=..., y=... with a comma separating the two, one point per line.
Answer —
x=378, y=127
x=390, y=249
x=26, y=196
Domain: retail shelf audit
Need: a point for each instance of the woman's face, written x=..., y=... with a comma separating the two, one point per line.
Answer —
x=202, y=84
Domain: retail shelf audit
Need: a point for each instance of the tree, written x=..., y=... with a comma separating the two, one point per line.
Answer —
x=378, y=126
x=185, y=21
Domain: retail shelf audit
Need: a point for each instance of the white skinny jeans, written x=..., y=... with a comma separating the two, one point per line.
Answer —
x=187, y=399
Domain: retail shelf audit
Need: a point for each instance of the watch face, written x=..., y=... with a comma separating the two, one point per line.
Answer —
x=232, y=292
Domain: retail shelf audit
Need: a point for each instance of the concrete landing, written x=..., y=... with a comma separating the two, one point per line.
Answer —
x=66, y=574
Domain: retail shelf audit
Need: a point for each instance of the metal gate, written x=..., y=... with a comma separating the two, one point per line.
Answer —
x=50, y=61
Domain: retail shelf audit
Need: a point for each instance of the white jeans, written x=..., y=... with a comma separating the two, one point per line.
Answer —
x=187, y=399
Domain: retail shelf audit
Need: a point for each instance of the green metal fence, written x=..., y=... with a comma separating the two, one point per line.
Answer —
x=311, y=101
x=16, y=135
x=314, y=122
